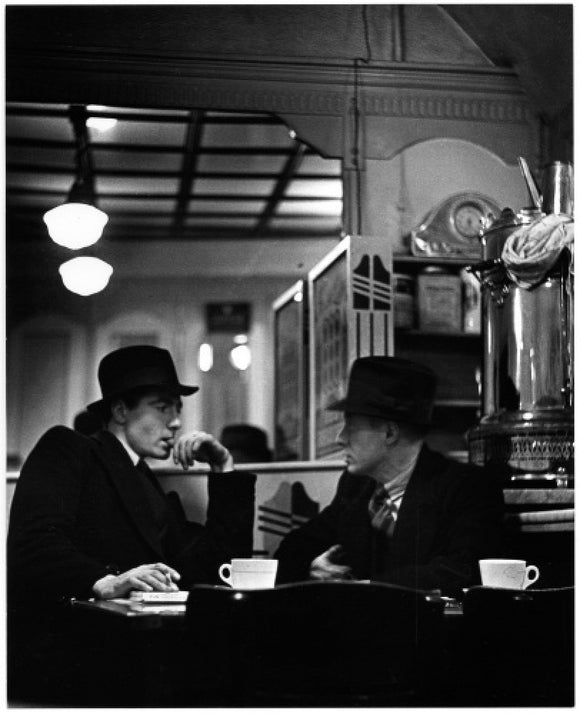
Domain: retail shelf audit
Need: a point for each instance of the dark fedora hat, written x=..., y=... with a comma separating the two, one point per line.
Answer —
x=247, y=439
x=137, y=366
x=390, y=388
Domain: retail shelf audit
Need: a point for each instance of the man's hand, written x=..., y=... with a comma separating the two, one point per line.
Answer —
x=155, y=576
x=200, y=446
x=327, y=566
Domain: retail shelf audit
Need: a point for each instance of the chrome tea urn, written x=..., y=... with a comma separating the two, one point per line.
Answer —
x=527, y=423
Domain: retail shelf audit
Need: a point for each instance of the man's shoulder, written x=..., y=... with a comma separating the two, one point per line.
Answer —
x=62, y=438
x=444, y=468
x=66, y=435
x=450, y=474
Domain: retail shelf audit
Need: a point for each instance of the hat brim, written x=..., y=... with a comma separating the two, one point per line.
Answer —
x=181, y=389
x=344, y=405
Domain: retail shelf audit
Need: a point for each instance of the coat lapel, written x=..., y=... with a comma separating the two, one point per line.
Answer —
x=417, y=519
x=356, y=532
x=126, y=481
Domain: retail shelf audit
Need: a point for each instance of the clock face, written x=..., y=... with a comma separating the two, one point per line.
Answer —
x=468, y=219
x=453, y=227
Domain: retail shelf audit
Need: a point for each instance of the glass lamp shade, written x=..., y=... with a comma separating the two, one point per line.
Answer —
x=85, y=276
x=75, y=225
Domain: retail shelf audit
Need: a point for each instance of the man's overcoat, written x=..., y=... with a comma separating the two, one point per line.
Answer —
x=80, y=511
x=450, y=517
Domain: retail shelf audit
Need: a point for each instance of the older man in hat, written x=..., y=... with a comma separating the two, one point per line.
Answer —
x=89, y=518
x=402, y=513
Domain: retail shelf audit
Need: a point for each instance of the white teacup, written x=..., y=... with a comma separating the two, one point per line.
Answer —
x=249, y=573
x=506, y=573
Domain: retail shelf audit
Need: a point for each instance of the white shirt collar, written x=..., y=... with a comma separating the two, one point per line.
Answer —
x=396, y=488
x=133, y=455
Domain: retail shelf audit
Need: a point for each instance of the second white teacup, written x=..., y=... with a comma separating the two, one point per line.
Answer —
x=249, y=573
x=506, y=573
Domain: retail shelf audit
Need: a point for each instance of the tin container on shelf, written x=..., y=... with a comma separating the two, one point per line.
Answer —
x=404, y=301
x=439, y=300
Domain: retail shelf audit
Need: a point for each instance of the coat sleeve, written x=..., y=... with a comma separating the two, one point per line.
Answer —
x=227, y=533
x=300, y=547
x=43, y=557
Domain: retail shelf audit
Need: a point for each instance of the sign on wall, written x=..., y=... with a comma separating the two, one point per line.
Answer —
x=351, y=315
x=290, y=374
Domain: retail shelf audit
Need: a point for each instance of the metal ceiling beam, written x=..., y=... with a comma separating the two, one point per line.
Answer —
x=150, y=173
x=23, y=215
x=83, y=161
x=132, y=196
x=97, y=146
x=183, y=118
x=287, y=175
x=188, y=166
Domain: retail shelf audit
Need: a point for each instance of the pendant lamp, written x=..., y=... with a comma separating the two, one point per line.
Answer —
x=77, y=223
x=85, y=275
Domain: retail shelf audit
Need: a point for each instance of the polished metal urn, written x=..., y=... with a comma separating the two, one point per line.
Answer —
x=527, y=423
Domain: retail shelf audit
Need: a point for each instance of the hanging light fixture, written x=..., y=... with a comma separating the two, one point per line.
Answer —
x=85, y=275
x=78, y=223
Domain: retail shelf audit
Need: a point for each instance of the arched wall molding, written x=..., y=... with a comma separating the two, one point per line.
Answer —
x=382, y=107
x=314, y=98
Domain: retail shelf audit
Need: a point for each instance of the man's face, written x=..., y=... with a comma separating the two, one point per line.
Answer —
x=151, y=424
x=365, y=444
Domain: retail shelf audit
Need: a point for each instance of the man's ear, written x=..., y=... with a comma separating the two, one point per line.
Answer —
x=392, y=432
x=119, y=411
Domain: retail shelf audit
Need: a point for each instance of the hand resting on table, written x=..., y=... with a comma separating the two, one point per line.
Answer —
x=151, y=577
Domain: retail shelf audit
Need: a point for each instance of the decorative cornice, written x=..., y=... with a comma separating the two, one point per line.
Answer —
x=430, y=105
x=388, y=90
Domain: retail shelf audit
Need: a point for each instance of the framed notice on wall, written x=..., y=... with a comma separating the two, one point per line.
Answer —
x=290, y=374
x=329, y=355
x=350, y=316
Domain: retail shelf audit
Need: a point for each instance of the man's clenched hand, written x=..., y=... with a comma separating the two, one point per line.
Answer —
x=200, y=446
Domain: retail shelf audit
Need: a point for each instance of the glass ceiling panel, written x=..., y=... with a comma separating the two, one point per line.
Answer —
x=256, y=162
x=270, y=135
x=331, y=188
x=125, y=161
x=136, y=206
x=53, y=128
x=225, y=207
x=136, y=132
x=310, y=208
x=40, y=155
x=41, y=181
x=136, y=186
x=237, y=187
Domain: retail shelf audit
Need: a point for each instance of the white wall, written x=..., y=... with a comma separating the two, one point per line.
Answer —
x=172, y=309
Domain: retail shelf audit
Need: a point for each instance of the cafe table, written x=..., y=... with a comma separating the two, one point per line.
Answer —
x=156, y=649
x=135, y=615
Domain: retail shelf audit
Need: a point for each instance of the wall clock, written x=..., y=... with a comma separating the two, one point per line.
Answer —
x=453, y=228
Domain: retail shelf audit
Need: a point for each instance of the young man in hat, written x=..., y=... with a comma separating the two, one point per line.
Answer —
x=402, y=513
x=89, y=518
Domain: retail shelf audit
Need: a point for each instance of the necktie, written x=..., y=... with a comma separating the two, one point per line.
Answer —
x=382, y=511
